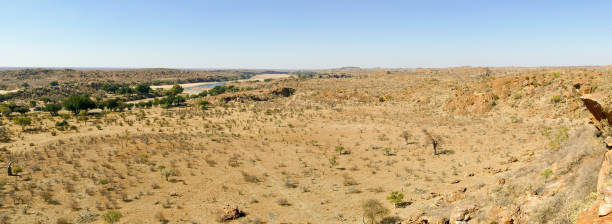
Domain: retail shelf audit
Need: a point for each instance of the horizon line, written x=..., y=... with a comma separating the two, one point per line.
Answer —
x=85, y=68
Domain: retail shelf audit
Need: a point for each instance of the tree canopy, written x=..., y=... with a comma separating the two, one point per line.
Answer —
x=77, y=103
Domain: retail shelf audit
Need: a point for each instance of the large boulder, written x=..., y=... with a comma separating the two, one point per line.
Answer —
x=231, y=213
x=599, y=105
x=592, y=216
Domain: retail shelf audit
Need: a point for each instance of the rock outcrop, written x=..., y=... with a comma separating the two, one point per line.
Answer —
x=462, y=214
x=285, y=92
x=599, y=105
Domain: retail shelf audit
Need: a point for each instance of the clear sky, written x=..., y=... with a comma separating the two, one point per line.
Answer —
x=304, y=34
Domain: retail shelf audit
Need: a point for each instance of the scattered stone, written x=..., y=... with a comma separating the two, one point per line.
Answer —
x=512, y=159
x=501, y=181
x=608, y=142
x=455, y=181
x=231, y=213
x=604, y=209
x=463, y=213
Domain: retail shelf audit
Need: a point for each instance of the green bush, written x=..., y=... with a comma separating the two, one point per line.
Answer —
x=52, y=108
x=23, y=121
x=395, y=197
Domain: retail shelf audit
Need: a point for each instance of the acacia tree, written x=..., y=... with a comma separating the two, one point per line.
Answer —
x=143, y=88
x=53, y=108
x=77, y=103
x=176, y=89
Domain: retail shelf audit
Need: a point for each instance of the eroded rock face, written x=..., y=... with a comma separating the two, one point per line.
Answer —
x=599, y=105
x=592, y=216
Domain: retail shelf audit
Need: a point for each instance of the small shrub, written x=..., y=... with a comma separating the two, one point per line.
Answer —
x=168, y=172
x=103, y=181
x=112, y=217
x=396, y=198
x=546, y=173
x=283, y=202
x=373, y=210
x=333, y=161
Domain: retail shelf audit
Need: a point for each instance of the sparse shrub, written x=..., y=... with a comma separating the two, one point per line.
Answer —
x=204, y=104
x=546, y=173
x=339, y=148
x=556, y=99
x=289, y=183
x=250, y=178
x=22, y=121
x=4, y=134
x=283, y=202
x=62, y=221
x=103, y=181
x=349, y=181
x=333, y=161
x=112, y=217
x=168, y=172
x=373, y=210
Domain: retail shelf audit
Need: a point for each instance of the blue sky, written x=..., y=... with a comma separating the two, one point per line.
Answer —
x=304, y=34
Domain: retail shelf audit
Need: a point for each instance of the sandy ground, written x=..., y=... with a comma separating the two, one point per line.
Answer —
x=278, y=160
x=8, y=91
x=260, y=77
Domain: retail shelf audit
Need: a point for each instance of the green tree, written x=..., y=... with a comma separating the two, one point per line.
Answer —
x=21, y=110
x=22, y=121
x=53, y=108
x=77, y=103
x=373, y=210
x=176, y=89
x=143, y=88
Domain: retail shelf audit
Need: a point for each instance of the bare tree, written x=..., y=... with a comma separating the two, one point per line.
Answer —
x=9, y=169
x=406, y=135
x=433, y=140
